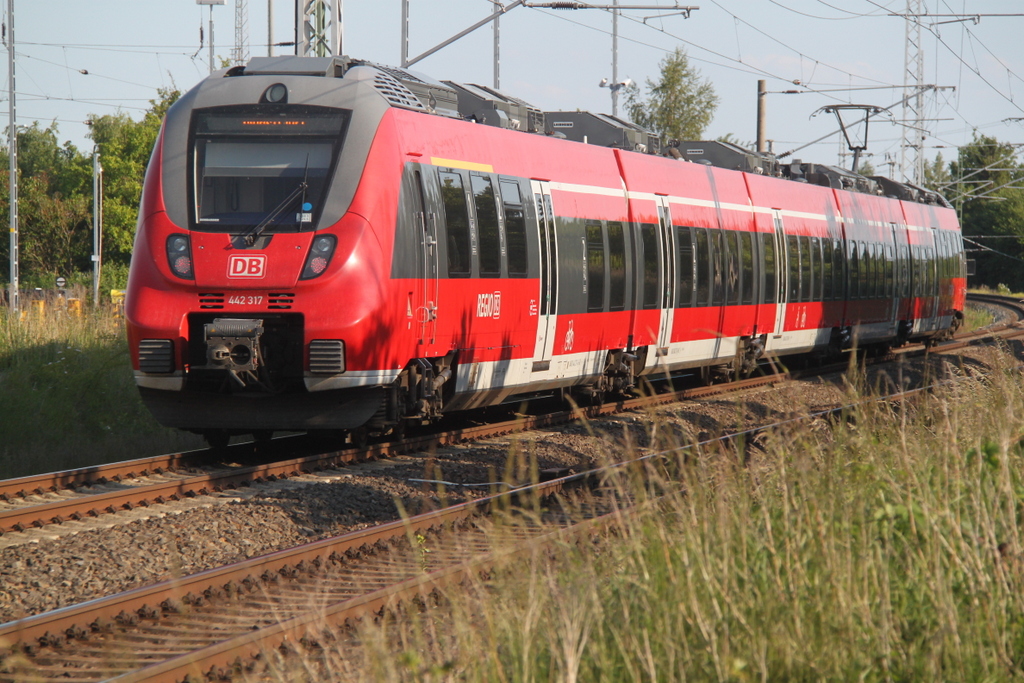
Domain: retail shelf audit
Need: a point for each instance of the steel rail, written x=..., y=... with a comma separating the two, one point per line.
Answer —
x=145, y=495
x=52, y=628
x=22, y=517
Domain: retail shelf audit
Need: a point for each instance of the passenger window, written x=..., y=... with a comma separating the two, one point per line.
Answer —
x=684, y=266
x=770, y=282
x=793, y=253
x=837, y=270
x=866, y=271
x=456, y=218
x=616, y=266
x=487, y=225
x=717, y=268
x=805, y=269
x=828, y=270
x=816, y=269
x=515, y=228
x=870, y=270
x=649, y=237
x=854, y=271
x=732, y=271
x=890, y=274
x=747, y=263
x=703, y=267
x=595, y=267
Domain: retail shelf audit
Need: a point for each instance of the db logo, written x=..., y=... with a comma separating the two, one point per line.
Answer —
x=247, y=266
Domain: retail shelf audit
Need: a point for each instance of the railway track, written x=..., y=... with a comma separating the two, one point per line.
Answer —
x=200, y=623
x=210, y=625
x=37, y=501
x=210, y=622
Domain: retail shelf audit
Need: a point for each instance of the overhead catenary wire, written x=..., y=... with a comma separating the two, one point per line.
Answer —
x=982, y=247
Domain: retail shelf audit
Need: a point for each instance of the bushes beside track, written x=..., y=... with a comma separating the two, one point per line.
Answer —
x=67, y=397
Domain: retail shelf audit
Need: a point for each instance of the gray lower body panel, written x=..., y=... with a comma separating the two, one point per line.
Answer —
x=198, y=411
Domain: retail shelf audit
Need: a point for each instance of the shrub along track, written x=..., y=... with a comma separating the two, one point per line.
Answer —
x=227, y=581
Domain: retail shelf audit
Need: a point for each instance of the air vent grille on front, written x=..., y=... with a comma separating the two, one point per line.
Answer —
x=211, y=300
x=156, y=355
x=282, y=300
x=396, y=93
x=327, y=356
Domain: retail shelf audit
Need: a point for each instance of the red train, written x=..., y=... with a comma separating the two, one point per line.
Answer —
x=334, y=244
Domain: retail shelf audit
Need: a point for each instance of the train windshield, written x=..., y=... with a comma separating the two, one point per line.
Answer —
x=265, y=167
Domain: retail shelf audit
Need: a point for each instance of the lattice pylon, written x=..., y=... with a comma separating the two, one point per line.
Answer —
x=240, y=53
x=912, y=140
x=318, y=28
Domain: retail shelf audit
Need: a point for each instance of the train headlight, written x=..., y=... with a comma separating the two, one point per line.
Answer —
x=179, y=256
x=319, y=256
x=276, y=94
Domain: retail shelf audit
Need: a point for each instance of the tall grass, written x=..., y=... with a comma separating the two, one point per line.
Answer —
x=883, y=549
x=67, y=398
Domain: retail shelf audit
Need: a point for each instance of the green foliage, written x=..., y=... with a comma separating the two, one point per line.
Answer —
x=67, y=393
x=866, y=168
x=883, y=549
x=679, y=106
x=936, y=175
x=55, y=194
x=989, y=193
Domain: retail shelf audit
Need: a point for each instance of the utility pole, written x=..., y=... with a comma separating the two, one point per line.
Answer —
x=211, y=3
x=405, y=34
x=270, y=28
x=97, y=224
x=614, y=86
x=497, y=48
x=615, y=56
x=241, y=52
x=762, y=106
x=13, y=154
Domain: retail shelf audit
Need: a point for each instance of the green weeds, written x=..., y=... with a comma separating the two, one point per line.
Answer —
x=67, y=398
x=885, y=548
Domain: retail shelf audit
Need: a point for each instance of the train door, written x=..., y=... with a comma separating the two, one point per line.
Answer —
x=781, y=272
x=426, y=304
x=667, y=265
x=548, y=293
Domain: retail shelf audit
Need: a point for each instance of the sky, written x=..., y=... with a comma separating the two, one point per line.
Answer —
x=79, y=58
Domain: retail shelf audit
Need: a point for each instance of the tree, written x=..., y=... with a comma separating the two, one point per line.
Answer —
x=55, y=193
x=865, y=168
x=936, y=175
x=989, y=194
x=54, y=219
x=125, y=147
x=679, y=106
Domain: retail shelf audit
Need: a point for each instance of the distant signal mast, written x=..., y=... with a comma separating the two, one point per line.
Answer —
x=240, y=54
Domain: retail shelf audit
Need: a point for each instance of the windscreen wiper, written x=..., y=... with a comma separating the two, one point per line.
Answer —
x=250, y=237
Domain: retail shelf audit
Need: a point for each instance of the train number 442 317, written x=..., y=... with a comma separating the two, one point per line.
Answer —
x=241, y=300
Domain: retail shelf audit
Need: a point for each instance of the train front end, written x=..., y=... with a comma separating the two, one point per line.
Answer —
x=252, y=279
